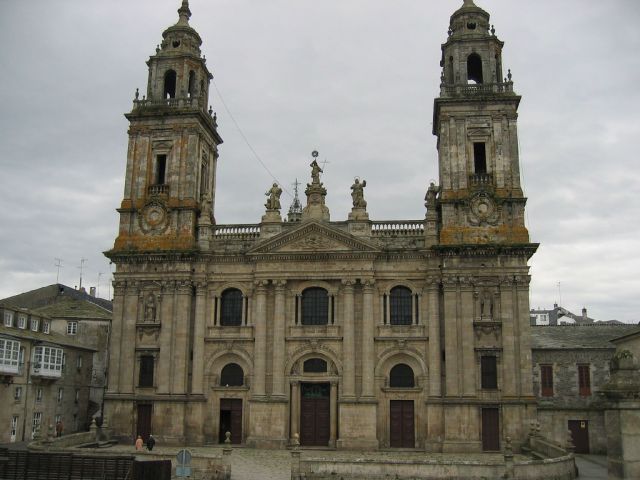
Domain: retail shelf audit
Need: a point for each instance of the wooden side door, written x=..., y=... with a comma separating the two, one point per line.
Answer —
x=402, y=426
x=231, y=419
x=143, y=426
x=580, y=434
x=490, y=429
x=314, y=415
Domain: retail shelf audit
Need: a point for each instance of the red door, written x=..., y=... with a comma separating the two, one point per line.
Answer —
x=490, y=430
x=580, y=434
x=402, y=424
x=143, y=426
x=314, y=414
x=231, y=419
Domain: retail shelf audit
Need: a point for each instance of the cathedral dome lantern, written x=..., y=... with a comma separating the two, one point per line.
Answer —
x=178, y=69
x=469, y=20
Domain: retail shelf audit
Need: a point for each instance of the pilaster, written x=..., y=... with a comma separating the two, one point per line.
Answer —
x=198, y=339
x=368, y=334
x=260, y=348
x=279, y=339
x=348, y=340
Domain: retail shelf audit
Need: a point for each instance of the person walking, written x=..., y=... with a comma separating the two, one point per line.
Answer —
x=139, y=443
x=150, y=442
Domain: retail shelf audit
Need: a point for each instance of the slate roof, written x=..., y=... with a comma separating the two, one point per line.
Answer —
x=67, y=307
x=50, y=294
x=593, y=335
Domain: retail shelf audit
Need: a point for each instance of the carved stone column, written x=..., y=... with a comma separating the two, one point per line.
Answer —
x=260, y=349
x=166, y=311
x=451, y=342
x=181, y=322
x=333, y=413
x=198, y=339
x=468, y=355
x=348, y=341
x=433, y=320
x=278, y=339
x=116, y=336
x=507, y=316
x=295, y=409
x=127, y=353
x=368, y=334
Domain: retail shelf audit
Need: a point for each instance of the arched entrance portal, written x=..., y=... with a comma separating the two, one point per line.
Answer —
x=314, y=393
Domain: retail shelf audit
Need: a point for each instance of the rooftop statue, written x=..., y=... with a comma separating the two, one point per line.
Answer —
x=357, y=193
x=273, y=202
x=315, y=173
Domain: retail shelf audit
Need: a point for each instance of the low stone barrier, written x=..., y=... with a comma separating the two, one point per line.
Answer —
x=204, y=466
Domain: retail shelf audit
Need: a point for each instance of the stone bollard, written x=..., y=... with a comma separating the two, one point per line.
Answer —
x=93, y=428
x=295, y=464
x=226, y=450
x=508, y=458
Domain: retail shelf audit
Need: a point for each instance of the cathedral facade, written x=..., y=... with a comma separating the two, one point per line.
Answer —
x=355, y=334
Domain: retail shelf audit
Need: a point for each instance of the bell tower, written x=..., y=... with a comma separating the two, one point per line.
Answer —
x=475, y=120
x=169, y=192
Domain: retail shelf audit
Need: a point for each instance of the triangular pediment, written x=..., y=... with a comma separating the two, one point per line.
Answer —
x=313, y=237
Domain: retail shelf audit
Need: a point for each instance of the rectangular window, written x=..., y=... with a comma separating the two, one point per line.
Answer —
x=17, y=394
x=47, y=360
x=14, y=427
x=161, y=167
x=489, y=372
x=146, y=371
x=584, y=380
x=79, y=361
x=35, y=425
x=8, y=319
x=22, y=321
x=72, y=328
x=45, y=326
x=77, y=397
x=34, y=324
x=546, y=380
x=9, y=356
x=479, y=158
x=60, y=394
x=39, y=395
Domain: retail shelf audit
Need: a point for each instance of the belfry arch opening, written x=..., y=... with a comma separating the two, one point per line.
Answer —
x=474, y=68
x=192, y=84
x=170, y=84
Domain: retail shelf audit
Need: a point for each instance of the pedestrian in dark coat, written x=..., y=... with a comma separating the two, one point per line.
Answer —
x=150, y=442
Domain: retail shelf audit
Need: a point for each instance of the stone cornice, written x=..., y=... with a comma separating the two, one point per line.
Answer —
x=516, y=250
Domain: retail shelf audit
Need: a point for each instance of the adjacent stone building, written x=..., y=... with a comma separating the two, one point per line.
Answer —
x=353, y=333
x=79, y=316
x=46, y=376
x=571, y=364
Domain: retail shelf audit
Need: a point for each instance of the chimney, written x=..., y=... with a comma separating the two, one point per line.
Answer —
x=92, y=291
x=584, y=313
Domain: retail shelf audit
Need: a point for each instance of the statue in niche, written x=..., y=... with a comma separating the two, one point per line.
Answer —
x=315, y=172
x=357, y=193
x=430, y=197
x=150, y=309
x=486, y=305
x=273, y=202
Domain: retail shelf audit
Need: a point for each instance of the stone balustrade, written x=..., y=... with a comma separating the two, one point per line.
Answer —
x=238, y=232
x=397, y=228
x=476, y=89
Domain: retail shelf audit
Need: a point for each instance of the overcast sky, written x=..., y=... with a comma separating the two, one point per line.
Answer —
x=354, y=79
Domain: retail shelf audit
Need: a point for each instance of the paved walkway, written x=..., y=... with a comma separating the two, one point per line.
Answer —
x=591, y=467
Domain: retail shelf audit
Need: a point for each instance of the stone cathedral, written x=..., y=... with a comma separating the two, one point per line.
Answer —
x=350, y=333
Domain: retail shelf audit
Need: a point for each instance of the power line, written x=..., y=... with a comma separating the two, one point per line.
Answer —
x=246, y=140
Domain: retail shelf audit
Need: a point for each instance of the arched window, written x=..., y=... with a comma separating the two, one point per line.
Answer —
x=315, y=365
x=232, y=375
x=401, y=376
x=170, y=84
x=400, y=306
x=192, y=83
x=231, y=308
x=315, y=306
x=474, y=68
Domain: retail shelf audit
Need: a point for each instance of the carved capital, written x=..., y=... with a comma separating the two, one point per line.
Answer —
x=280, y=285
x=119, y=287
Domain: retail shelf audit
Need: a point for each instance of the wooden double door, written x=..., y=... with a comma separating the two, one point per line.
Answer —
x=315, y=417
x=490, y=429
x=580, y=434
x=143, y=423
x=230, y=419
x=402, y=424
